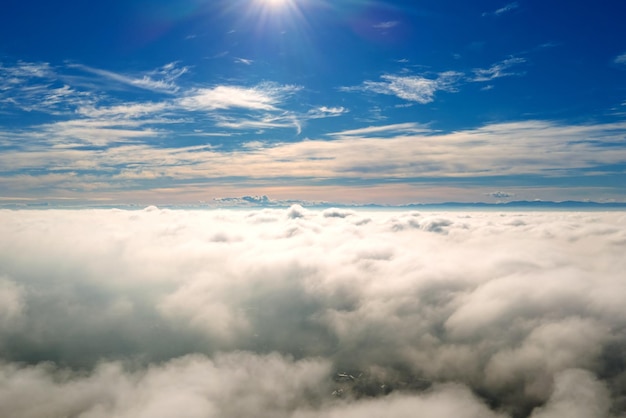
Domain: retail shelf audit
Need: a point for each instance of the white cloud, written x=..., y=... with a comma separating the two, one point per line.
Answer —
x=262, y=97
x=44, y=98
x=412, y=88
x=36, y=87
x=497, y=70
x=98, y=132
x=325, y=112
x=480, y=314
x=621, y=59
x=233, y=385
x=398, y=128
x=154, y=85
x=244, y=61
x=25, y=70
x=98, y=119
x=125, y=111
x=263, y=122
x=504, y=9
x=165, y=81
x=386, y=25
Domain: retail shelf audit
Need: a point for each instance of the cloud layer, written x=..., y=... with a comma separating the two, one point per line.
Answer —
x=404, y=153
x=300, y=313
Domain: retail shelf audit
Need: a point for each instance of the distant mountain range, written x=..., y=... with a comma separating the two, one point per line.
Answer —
x=252, y=202
x=527, y=204
x=264, y=201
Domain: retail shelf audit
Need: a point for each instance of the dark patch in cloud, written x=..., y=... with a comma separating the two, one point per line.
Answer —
x=337, y=213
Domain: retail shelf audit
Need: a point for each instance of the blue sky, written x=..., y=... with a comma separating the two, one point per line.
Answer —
x=352, y=101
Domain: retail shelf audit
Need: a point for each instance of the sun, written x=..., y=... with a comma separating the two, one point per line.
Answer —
x=276, y=3
x=278, y=16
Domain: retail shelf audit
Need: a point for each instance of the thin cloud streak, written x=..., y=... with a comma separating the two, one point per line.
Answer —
x=168, y=73
x=503, y=10
x=386, y=25
x=409, y=127
x=497, y=70
x=325, y=111
x=377, y=154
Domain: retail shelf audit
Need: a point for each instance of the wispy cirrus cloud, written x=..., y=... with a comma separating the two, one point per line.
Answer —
x=260, y=123
x=49, y=97
x=125, y=111
x=277, y=119
x=161, y=80
x=386, y=25
x=503, y=10
x=244, y=61
x=325, y=112
x=395, y=129
x=620, y=59
x=498, y=70
x=37, y=87
x=411, y=88
x=22, y=70
x=97, y=132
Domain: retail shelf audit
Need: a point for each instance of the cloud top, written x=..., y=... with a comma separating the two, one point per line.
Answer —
x=299, y=313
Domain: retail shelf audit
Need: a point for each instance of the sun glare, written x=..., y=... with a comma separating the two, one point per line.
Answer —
x=276, y=4
x=273, y=11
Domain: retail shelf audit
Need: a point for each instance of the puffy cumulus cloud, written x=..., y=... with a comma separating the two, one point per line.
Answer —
x=301, y=312
x=576, y=394
x=234, y=385
x=231, y=385
x=447, y=401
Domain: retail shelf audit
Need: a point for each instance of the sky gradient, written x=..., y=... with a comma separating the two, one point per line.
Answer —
x=354, y=102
